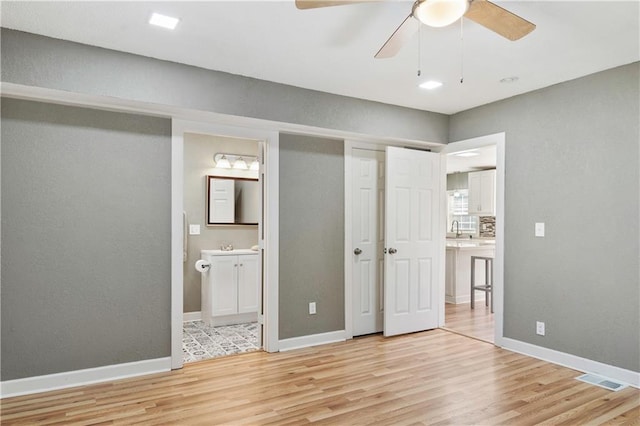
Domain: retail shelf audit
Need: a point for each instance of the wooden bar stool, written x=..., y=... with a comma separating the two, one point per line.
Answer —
x=488, y=280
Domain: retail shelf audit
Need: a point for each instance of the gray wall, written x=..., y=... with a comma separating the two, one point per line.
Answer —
x=85, y=238
x=198, y=163
x=40, y=61
x=572, y=161
x=311, y=235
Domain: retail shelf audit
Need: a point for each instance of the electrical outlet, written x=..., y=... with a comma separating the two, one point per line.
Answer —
x=540, y=328
x=312, y=308
x=539, y=229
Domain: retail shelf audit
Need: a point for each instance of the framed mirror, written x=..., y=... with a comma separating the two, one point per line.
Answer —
x=232, y=201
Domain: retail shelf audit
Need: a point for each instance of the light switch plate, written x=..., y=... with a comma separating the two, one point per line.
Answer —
x=194, y=229
x=539, y=229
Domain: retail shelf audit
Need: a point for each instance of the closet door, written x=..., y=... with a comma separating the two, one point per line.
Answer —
x=413, y=233
x=368, y=238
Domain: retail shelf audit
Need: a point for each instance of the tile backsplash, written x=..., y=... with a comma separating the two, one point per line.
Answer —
x=487, y=226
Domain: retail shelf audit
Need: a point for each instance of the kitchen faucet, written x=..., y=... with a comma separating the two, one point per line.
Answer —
x=458, y=233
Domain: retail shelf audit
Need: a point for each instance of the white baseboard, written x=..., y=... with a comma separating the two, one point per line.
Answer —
x=231, y=319
x=312, y=340
x=463, y=299
x=585, y=365
x=87, y=376
x=192, y=316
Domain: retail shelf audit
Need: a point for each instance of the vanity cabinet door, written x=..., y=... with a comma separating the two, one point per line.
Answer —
x=248, y=279
x=224, y=291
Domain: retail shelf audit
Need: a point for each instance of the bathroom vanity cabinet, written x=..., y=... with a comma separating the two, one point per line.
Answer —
x=230, y=288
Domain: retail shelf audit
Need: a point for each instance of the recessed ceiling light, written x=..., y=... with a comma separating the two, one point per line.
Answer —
x=163, y=21
x=512, y=79
x=430, y=85
x=467, y=153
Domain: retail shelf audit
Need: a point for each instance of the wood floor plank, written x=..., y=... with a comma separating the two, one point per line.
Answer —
x=433, y=377
x=477, y=323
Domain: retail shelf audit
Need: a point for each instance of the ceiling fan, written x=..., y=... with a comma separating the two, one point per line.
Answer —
x=440, y=13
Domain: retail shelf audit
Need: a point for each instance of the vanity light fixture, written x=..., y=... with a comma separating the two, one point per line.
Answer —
x=222, y=162
x=235, y=161
x=240, y=164
x=164, y=21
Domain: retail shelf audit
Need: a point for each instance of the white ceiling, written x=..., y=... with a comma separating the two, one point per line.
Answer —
x=332, y=49
x=486, y=159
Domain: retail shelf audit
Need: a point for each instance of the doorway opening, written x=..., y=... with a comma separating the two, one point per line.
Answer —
x=222, y=271
x=224, y=293
x=475, y=206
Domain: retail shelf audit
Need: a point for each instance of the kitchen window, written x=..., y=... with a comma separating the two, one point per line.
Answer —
x=458, y=209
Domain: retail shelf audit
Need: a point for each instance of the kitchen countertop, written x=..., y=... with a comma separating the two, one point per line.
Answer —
x=468, y=243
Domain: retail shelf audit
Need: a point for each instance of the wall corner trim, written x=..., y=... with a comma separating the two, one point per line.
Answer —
x=312, y=340
x=585, y=365
x=68, y=379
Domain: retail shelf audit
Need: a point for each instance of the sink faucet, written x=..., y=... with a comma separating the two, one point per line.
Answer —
x=457, y=224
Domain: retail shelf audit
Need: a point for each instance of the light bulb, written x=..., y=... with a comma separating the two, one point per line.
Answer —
x=223, y=163
x=240, y=164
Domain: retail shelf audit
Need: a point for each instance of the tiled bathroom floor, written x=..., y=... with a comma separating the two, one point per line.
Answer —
x=200, y=341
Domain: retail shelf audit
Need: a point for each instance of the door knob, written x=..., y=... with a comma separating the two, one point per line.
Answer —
x=357, y=251
x=392, y=251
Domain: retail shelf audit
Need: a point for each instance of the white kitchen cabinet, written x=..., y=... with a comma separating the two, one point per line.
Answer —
x=230, y=288
x=482, y=193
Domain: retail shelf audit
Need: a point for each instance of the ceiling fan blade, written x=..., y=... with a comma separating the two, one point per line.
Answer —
x=313, y=4
x=499, y=20
x=398, y=39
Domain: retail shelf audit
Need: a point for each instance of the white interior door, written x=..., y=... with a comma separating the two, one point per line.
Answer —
x=413, y=259
x=368, y=238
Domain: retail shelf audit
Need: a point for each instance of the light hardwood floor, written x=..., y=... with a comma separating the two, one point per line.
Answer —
x=476, y=322
x=433, y=377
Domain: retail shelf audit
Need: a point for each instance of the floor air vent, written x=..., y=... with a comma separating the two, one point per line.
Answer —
x=603, y=382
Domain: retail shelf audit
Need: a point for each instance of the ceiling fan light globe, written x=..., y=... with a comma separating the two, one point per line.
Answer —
x=440, y=13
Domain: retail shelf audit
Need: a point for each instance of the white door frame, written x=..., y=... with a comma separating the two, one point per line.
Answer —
x=269, y=226
x=499, y=140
